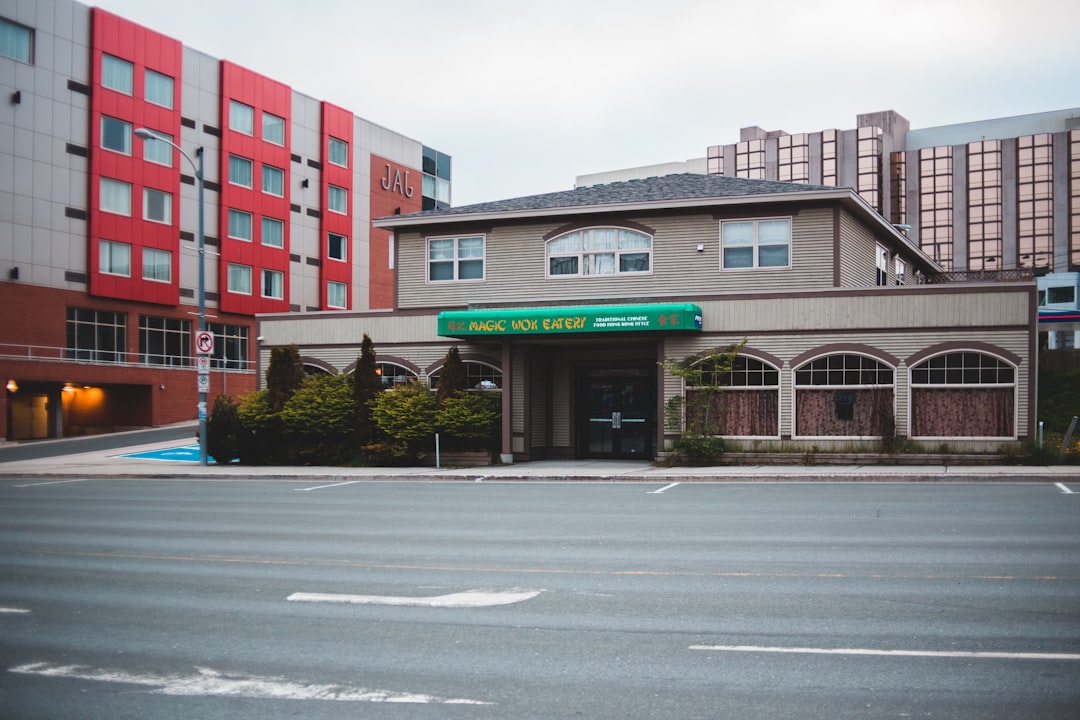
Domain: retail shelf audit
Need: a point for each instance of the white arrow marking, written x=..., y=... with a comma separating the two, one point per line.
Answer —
x=1064, y=488
x=890, y=653
x=663, y=489
x=467, y=599
x=208, y=682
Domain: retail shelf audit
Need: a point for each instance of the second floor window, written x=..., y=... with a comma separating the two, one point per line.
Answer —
x=273, y=180
x=599, y=251
x=337, y=199
x=459, y=258
x=159, y=89
x=115, y=196
x=273, y=128
x=117, y=74
x=755, y=244
x=239, y=171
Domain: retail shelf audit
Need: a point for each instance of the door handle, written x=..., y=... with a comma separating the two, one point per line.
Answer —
x=616, y=420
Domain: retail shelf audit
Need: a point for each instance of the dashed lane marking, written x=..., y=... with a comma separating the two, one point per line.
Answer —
x=990, y=655
x=467, y=599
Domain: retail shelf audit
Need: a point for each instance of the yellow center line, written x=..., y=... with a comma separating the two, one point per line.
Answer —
x=310, y=562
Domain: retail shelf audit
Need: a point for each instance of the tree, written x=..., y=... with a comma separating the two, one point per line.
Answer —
x=284, y=375
x=225, y=433
x=452, y=377
x=318, y=421
x=406, y=415
x=699, y=410
x=366, y=384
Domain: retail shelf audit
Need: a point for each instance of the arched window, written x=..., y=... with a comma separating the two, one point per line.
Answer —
x=844, y=395
x=599, y=251
x=479, y=376
x=394, y=375
x=748, y=401
x=311, y=369
x=963, y=394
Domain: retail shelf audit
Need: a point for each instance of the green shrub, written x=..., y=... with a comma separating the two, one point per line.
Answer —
x=225, y=433
x=470, y=419
x=318, y=421
x=406, y=416
x=700, y=449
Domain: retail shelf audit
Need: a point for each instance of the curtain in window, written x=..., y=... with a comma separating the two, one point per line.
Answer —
x=240, y=171
x=114, y=258
x=866, y=412
x=15, y=41
x=115, y=196
x=239, y=225
x=157, y=265
x=273, y=284
x=240, y=279
x=273, y=180
x=159, y=89
x=273, y=232
x=158, y=152
x=116, y=74
x=962, y=412
x=744, y=412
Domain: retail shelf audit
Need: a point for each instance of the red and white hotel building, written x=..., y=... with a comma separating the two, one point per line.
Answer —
x=98, y=227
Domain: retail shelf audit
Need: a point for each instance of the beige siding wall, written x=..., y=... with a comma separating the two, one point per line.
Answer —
x=858, y=263
x=516, y=266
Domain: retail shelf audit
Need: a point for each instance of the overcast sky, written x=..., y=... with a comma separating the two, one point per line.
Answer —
x=528, y=95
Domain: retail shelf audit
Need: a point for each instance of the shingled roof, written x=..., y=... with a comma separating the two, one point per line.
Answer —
x=668, y=188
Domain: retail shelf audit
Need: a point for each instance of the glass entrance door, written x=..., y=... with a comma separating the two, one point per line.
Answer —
x=619, y=418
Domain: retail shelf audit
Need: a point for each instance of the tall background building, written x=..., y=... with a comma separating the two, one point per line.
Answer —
x=98, y=226
x=996, y=194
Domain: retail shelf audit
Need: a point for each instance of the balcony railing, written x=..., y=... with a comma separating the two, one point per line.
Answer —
x=85, y=356
x=953, y=276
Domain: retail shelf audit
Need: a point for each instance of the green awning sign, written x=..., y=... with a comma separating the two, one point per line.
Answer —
x=556, y=320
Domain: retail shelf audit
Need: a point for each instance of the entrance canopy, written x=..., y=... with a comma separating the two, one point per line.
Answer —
x=583, y=319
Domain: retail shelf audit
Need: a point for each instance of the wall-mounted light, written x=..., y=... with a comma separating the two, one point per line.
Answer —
x=701, y=247
x=304, y=182
x=16, y=97
x=161, y=386
x=13, y=273
x=12, y=386
x=68, y=387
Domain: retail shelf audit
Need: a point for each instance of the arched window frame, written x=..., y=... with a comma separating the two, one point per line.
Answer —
x=873, y=374
x=630, y=254
x=962, y=375
x=394, y=375
x=478, y=375
x=749, y=374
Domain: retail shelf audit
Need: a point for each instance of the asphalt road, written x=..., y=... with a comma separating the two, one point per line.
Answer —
x=176, y=599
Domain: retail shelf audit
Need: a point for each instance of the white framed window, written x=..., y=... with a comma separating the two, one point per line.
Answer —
x=115, y=197
x=338, y=152
x=336, y=295
x=117, y=74
x=882, y=277
x=239, y=225
x=273, y=180
x=273, y=284
x=157, y=206
x=239, y=279
x=158, y=89
x=456, y=258
x=240, y=171
x=241, y=117
x=273, y=128
x=337, y=246
x=114, y=258
x=158, y=152
x=599, y=251
x=273, y=232
x=901, y=271
x=116, y=135
x=337, y=199
x=16, y=41
x=156, y=265
x=755, y=244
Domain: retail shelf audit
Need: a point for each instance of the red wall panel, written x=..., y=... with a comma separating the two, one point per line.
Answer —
x=144, y=49
x=337, y=123
x=264, y=96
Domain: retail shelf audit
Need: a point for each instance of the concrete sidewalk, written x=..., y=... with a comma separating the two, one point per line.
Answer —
x=112, y=465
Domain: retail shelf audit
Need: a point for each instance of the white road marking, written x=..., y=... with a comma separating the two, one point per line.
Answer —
x=51, y=482
x=661, y=490
x=13, y=611
x=467, y=599
x=889, y=653
x=1064, y=488
x=207, y=682
x=323, y=487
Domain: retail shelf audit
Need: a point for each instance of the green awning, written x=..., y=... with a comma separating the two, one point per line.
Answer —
x=557, y=320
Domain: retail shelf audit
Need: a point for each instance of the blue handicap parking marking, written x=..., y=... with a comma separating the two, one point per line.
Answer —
x=188, y=453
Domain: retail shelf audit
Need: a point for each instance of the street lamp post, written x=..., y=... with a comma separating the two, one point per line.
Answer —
x=146, y=134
